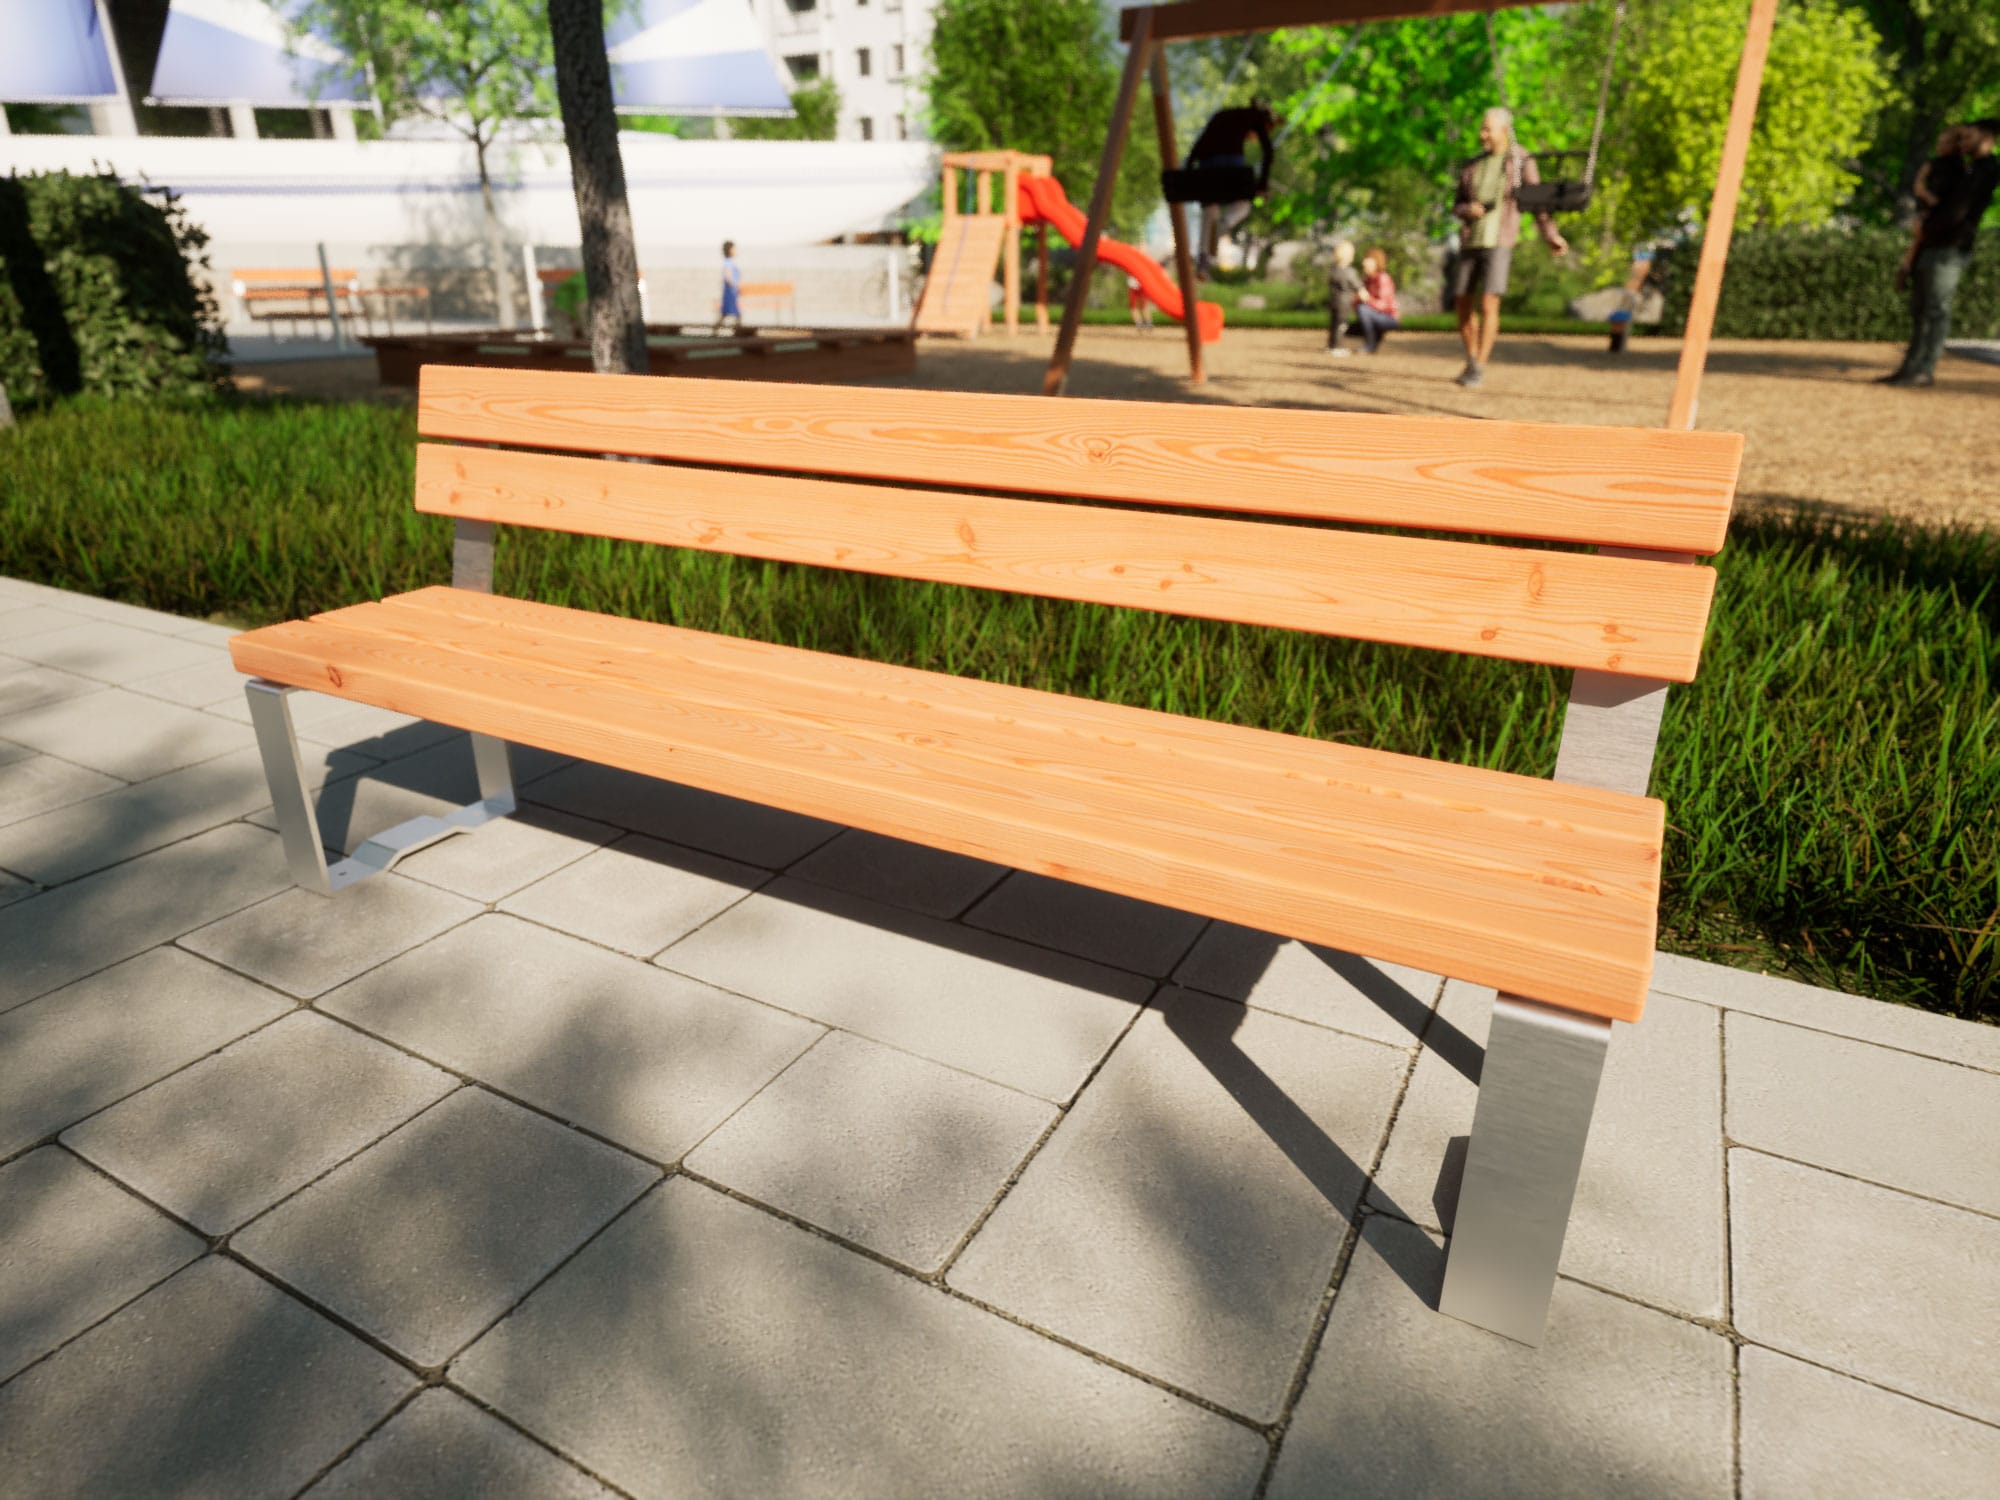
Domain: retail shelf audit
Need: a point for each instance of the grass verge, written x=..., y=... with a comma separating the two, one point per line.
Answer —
x=1832, y=779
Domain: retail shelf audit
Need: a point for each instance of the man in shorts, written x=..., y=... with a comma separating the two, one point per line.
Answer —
x=1491, y=226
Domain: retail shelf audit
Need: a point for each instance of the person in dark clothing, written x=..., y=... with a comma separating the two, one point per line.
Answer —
x=1225, y=142
x=1960, y=188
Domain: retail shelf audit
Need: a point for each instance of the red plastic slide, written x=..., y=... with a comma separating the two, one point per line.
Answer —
x=1043, y=199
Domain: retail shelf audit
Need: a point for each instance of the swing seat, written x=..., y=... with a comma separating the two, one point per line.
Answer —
x=1209, y=184
x=1559, y=196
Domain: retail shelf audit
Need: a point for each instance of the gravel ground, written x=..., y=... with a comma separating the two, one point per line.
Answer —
x=1817, y=431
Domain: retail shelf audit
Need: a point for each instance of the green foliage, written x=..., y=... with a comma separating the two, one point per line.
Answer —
x=1825, y=284
x=1817, y=823
x=1824, y=85
x=98, y=292
x=815, y=116
x=1040, y=76
x=1945, y=60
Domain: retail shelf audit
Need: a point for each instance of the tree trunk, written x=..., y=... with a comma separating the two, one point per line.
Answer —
x=496, y=243
x=590, y=126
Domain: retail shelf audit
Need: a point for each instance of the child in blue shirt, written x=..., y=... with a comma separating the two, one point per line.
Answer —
x=732, y=279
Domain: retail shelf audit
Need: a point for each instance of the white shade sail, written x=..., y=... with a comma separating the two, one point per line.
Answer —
x=54, y=52
x=241, y=52
x=693, y=57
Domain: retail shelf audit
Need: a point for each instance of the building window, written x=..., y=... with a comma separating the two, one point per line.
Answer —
x=866, y=127
x=861, y=62
x=896, y=61
x=902, y=128
x=797, y=6
x=804, y=66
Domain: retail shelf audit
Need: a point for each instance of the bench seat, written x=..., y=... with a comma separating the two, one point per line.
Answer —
x=1539, y=888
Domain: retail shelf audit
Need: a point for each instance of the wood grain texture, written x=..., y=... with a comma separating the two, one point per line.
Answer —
x=1636, y=487
x=1540, y=889
x=1567, y=609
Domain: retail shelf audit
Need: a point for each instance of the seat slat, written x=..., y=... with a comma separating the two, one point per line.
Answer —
x=1101, y=732
x=1632, y=487
x=1566, y=915
x=1567, y=609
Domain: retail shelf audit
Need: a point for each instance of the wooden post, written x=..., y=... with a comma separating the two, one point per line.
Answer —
x=1163, y=121
x=1721, y=222
x=1100, y=199
x=1011, y=261
x=950, y=194
x=1041, y=278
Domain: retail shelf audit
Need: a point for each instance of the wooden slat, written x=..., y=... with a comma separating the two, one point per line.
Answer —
x=1354, y=855
x=1193, y=19
x=1578, y=610
x=1620, y=486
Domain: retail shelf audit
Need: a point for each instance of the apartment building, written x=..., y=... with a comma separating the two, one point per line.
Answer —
x=873, y=50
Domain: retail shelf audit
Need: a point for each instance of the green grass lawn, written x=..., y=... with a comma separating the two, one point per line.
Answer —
x=1832, y=780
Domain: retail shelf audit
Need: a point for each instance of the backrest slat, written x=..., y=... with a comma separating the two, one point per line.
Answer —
x=1571, y=609
x=1631, y=487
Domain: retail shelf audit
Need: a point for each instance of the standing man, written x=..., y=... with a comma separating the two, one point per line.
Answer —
x=1960, y=187
x=1491, y=220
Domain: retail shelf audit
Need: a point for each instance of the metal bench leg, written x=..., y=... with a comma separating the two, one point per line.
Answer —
x=298, y=824
x=1537, y=1089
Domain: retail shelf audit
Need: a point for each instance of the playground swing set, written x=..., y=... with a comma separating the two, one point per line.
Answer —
x=1147, y=29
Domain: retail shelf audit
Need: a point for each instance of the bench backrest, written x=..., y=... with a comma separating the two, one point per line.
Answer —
x=875, y=480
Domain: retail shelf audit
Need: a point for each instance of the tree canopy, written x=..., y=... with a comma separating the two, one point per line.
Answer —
x=1039, y=76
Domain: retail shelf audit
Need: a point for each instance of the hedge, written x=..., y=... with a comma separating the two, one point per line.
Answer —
x=98, y=292
x=1825, y=284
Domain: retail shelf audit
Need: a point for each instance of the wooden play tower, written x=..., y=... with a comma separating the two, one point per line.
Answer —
x=956, y=297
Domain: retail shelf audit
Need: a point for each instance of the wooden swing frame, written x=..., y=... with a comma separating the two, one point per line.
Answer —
x=1148, y=29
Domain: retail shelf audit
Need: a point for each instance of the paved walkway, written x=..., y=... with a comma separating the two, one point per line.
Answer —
x=655, y=1144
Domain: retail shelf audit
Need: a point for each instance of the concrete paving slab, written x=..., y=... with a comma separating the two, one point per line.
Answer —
x=33, y=784
x=201, y=686
x=1810, y=1432
x=442, y=1447
x=1110, y=929
x=1185, y=1218
x=11, y=752
x=1894, y=1289
x=344, y=722
x=24, y=686
x=221, y=1141
x=137, y=616
x=1019, y=1015
x=896, y=872
x=124, y=734
x=213, y=1384
x=1865, y=1020
x=110, y=651
x=1648, y=1218
x=125, y=821
x=27, y=620
x=501, y=857
x=641, y=1057
x=209, y=632
x=1406, y=1404
x=73, y=1248
x=1930, y=1128
x=305, y=944
x=888, y=1150
x=1369, y=997
x=13, y=889
x=746, y=831
x=698, y=1338
x=638, y=895
x=427, y=1237
x=71, y=1053
x=92, y=923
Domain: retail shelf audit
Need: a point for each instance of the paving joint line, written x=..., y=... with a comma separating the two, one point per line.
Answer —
x=1731, y=1144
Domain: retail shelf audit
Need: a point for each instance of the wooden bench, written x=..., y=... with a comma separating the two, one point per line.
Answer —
x=1547, y=890
x=775, y=295
x=268, y=294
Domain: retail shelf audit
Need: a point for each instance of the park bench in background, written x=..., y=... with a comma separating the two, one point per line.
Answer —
x=778, y=298
x=1547, y=890
x=266, y=295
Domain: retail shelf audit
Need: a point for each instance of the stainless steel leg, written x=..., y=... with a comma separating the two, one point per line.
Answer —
x=1536, y=1093
x=298, y=827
